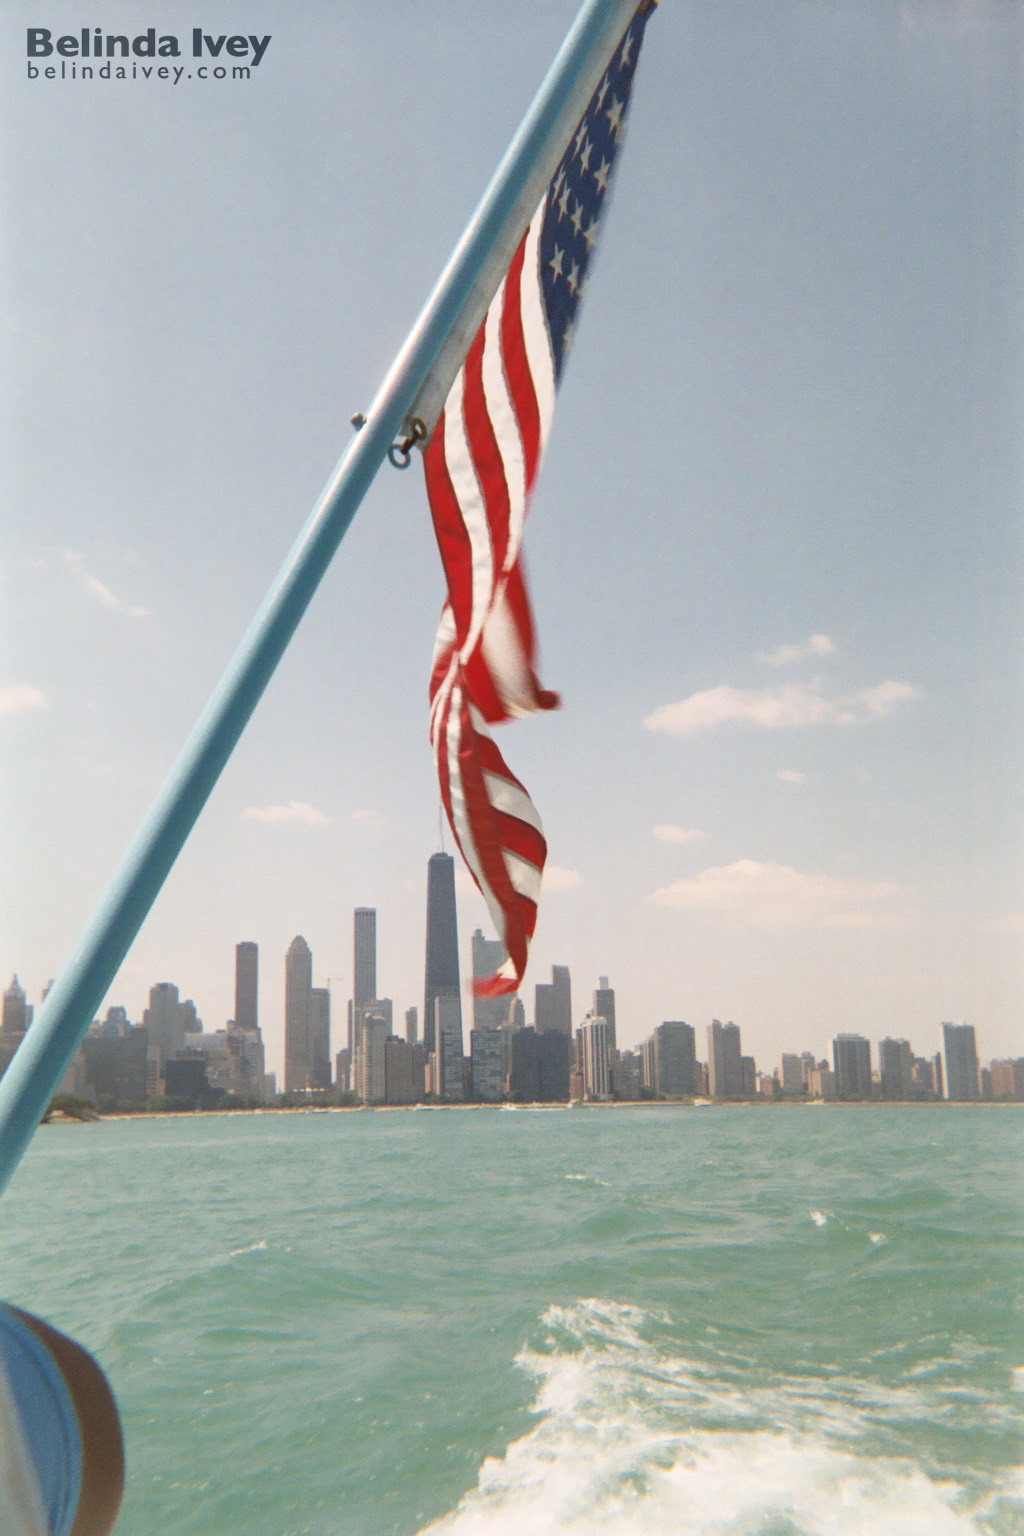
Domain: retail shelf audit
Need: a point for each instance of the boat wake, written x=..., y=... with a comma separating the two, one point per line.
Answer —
x=633, y=1439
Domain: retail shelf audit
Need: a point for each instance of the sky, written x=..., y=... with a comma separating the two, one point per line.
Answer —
x=774, y=551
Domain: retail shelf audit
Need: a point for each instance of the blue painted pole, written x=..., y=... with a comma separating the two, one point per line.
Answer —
x=46, y=1051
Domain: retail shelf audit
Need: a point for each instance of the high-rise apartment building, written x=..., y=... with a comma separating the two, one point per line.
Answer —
x=411, y=1026
x=896, y=1069
x=442, y=958
x=447, y=1055
x=371, y=1057
x=961, y=1053
x=672, y=1062
x=851, y=1060
x=595, y=1049
x=793, y=1076
x=167, y=1020
x=298, y=984
x=725, y=1061
x=247, y=971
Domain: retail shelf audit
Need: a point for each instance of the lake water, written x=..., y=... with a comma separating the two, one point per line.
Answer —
x=725, y=1322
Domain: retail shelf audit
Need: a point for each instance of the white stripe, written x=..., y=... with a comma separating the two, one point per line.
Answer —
x=506, y=426
x=535, y=327
x=514, y=801
x=525, y=876
x=471, y=505
x=445, y=636
x=506, y=659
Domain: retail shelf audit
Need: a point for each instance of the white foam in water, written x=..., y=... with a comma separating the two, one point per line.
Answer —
x=612, y=1454
x=819, y=1218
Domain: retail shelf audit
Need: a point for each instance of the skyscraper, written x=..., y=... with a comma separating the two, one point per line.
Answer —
x=604, y=1007
x=895, y=1068
x=364, y=956
x=319, y=1037
x=553, y=1002
x=960, y=1051
x=298, y=984
x=851, y=1058
x=674, y=1060
x=488, y=955
x=725, y=1061
x=247, y=965
x=442, y=959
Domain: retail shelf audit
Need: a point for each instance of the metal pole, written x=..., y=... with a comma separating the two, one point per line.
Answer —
x=46, y=1051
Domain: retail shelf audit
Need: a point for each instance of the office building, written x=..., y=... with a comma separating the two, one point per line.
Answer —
x=441, y=978
x=524, y=1070
x=319, y=1037
x=553, y=1050
x=553, y=1002
x=748, y=1067
x=851, y=1060
x=247, y=971
x=412, y=1026
x=488, y=955
x=961, y=1055
x=604, y=1007
x=298, y=984
x=725, y=1062
x=895, y=1069
x=167, y=1021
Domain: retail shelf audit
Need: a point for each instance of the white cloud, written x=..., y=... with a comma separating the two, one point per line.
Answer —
x=296, y=812
x=773, y=708
x=558, y=879
x=99, y=589
x=665, y=832
x=15, y=701
x=790, y=776
x=778, y=896
x=784, y=655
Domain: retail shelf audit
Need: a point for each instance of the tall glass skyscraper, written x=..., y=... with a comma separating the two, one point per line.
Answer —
x=298, y=985
x=961, y=1053
x=364, y=956
x=247, y=969
x=442, y=968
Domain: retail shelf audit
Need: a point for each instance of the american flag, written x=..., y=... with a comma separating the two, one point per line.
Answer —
x=481, y=462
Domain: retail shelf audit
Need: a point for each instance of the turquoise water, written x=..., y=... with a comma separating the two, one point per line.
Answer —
x=760, y=1322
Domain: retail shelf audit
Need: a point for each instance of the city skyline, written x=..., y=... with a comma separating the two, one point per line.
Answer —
x=772, y=552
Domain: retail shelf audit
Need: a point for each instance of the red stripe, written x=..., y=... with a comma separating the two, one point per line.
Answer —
x=521, y=839
x=517, y=367
x=450, y=531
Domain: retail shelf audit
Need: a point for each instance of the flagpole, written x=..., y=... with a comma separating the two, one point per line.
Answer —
x=63, y=1018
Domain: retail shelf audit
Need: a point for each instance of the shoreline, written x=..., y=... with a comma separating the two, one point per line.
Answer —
x=60, y=1118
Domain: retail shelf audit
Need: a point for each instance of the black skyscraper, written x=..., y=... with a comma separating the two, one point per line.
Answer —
x=442, y=974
